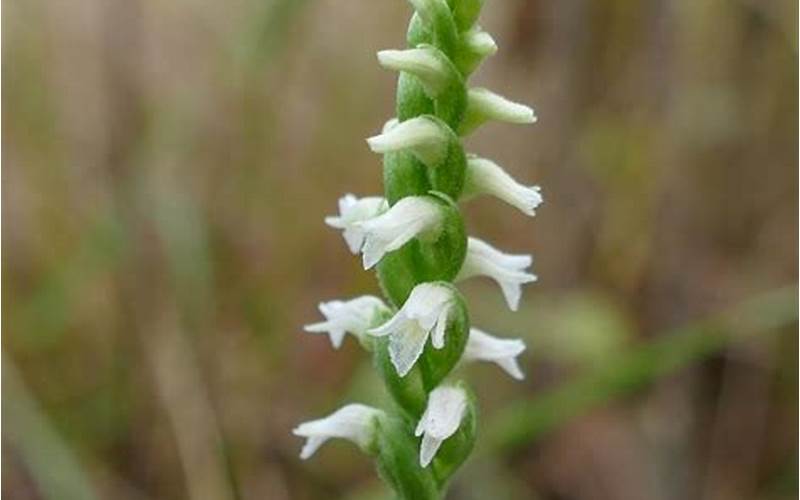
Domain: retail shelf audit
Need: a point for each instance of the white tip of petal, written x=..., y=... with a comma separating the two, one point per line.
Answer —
x=352, y=211
x=354, y=422
x=486, y=177
x=480, y=42
x=389, y=125
x=506, y=269
x=424, y=137
x=354, y=316
x=426, y=63
x=425, y=313
x=407, y=219
x=443, y=414
x=504, y=352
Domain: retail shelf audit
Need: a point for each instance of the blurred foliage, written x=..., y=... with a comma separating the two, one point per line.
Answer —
x=166, y=169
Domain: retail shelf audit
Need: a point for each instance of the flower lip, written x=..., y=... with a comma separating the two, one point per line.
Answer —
x=424, y=136
x=412, y=216
x=425, y=62
x=486, y=177
x=504, y=352
x=507, y=270
x=352, y=211
x=354, y=422
x=426, y=313
x=484, y=105
x=442, y=418
x=354, y=316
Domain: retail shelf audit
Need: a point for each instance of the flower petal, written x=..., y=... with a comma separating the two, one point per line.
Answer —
x=482, y=346
x=486, y=177
x=406, y=347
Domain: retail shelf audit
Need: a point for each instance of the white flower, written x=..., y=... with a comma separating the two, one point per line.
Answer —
x=353, y=210
x=425, y=62
x=425, y=313
x=442, y=417
x=423, y=136
x=354, y=316
x=484, y=105
x=410, y=217
x=476, y=45
x=484, y=347
x=479, y=42
x=507, y=270
x=486, y=177
x=354, y=422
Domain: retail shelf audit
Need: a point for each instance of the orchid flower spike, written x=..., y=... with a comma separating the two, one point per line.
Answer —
x=506, y=269
x=354, y=316
x=353, y=210
x=425, y=313
x=355, y=422
x=442, y=418
x=410, y=217
x=484, y=347
x=425, y=137
x=486, y=177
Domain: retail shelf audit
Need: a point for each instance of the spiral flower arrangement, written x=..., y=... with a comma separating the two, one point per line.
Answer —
x=414, y=236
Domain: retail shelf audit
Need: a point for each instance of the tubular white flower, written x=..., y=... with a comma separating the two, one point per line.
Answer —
x=486, y=177
x=353, y=210
x=484, y=347
x=410, y=217
x=484, y=105
x=354, y=422
x=425, y=313
x=423, y=137
x=425, y=62
x=506, y=269
x=353, y=316
x=442, y=417
x=479, y=42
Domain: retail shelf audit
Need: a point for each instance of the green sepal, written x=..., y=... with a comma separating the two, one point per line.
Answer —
x=468, y=58
x=398, y=462
x=448, y=176
x=457, y=448
x=439, y=22
x=436, y=364
x=404, y=175
x=411, y=98
x=408, y=392
x=438, y=258
x=418, y=32
x=465, y=12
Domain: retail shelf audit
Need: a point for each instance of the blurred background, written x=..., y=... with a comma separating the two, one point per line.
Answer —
x=167, y=166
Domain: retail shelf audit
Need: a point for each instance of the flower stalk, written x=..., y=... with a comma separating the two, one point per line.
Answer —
x=415, y=238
